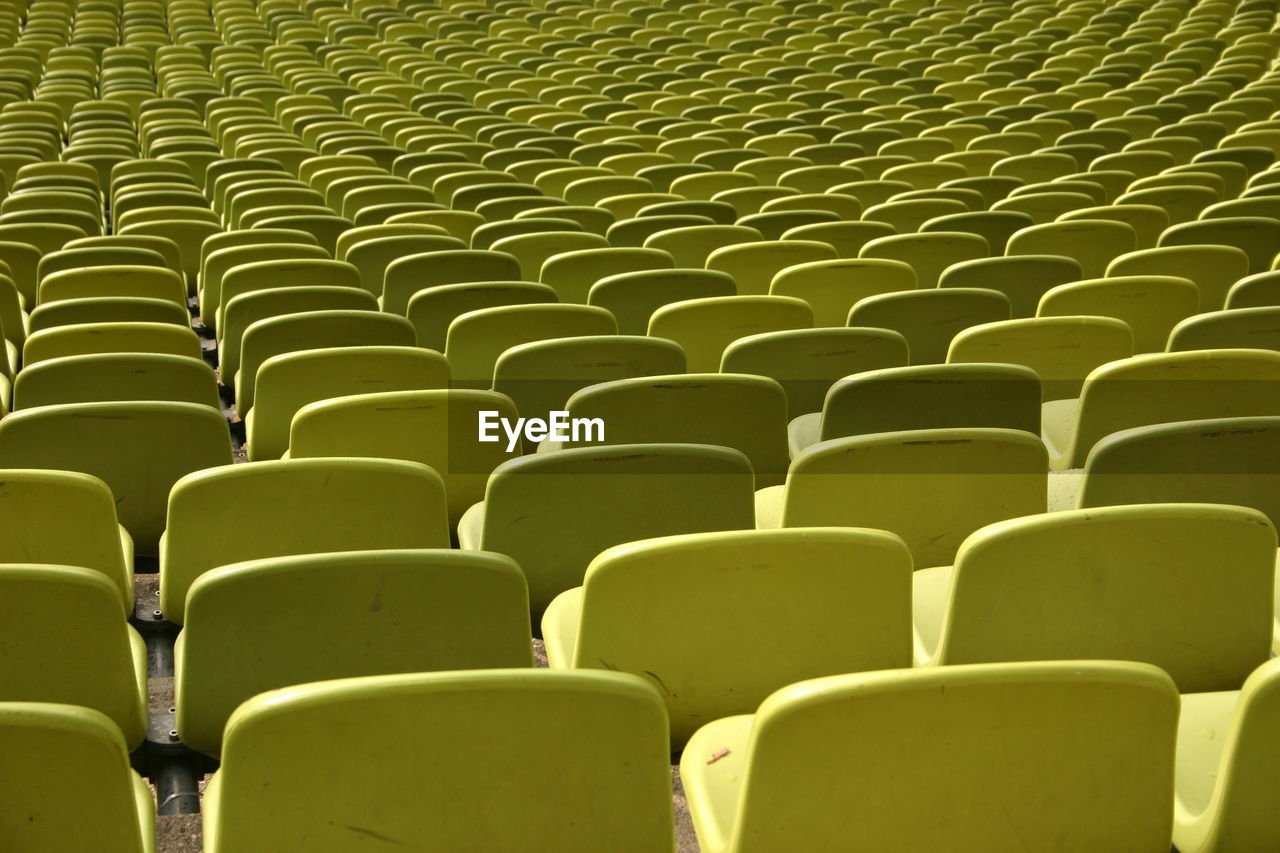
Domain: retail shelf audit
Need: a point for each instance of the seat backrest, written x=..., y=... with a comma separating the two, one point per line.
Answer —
x=691, y=245
x=139, y=449
x=287, y=382
x=258, y=625
x=406, y=276
x=747, y=413
x=933, y=396
x=931, y=487
x=92, y=338
x=1255, y=291
x=807, y=361
x=1151, y=305
x=532, y=250
x=1186, y=587
x=154, y=282
x=58, y=757
x=219, y=262
x=297, y=506
x=1256, y=236
x=1252, y=328
x=456, y=733
x=1093, y=243
x=104, y=377
x=432, y=309
x=1061, y=350
x=848, y=609
x=100, y=665
x=1214, y=268
x=1022, y=278
x=832, y=287
x=38, y=507
x=572, y=274
x=1167, y=387
x=248, y=308
x=754, y=265
x=705, y=327
x=555, y=512
x=312, y=330
x=1221, y=460
x=436, y=428
x=632, y=297
x=478, y=338
x=929, y=319
x=541, y=376
x=928, y=254
x=372, y=257
x=1002, y=757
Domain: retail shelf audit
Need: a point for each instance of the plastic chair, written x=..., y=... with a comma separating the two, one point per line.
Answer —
x=1255, y=291
x=373, y=257
x=1213, y=268
x=139, y=449
x=1061, y=350
x=847, y=238
x=248, y=308
x=572, y=274
x=96, y=281
x=101, y=665
x=641, y=607
x=1060, y=768
x=634, y=296
x=832, y=287
x=1186, y=587
x=1022, y=278
x=436, y=428
x=1161, y=388
x=287, y=382
x=705, y=327
x=928, y=254
x=541, y=376
x=219, y=262
x=1244, y=328
x=1223, y=771
x=532, y=250
x=747, y=413
x=478, y=338
x=1256, y=236
x=931, y=396
x=805, y=362
x=38, y=507
x=431, y=610
x=1150, y=305
x=929, y=319
x=554, y=512
x=351, y=505
x=78, y=753
x=754, y=265
x=1093, y=243
x=931, y=487
x=102, y=377
x=293, y=270
x=409, y=275
x=529, y=723
x=690, y=246
x=90, y=338
x=1219, y=460
x=309, y=330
